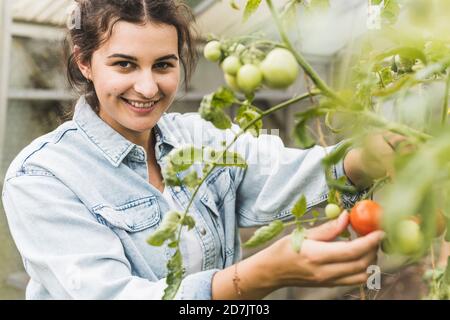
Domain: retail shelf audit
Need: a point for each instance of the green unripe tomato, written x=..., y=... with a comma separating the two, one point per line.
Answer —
x=249, y=78
x=231, y=65
x=213, y=51
x=231, y=82
x=408, y=237
x=280, y=69
x=332, y=211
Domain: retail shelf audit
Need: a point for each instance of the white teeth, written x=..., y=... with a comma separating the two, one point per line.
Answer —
x=141, y=105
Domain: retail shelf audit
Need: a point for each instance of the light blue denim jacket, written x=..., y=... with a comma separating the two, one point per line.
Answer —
x=80, y=206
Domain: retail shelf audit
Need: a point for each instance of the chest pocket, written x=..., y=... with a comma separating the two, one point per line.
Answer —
x=132, y=216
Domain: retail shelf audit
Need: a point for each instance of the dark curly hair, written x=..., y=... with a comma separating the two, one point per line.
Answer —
x=96, y=19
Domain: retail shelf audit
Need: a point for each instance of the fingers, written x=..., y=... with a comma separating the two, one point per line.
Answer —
x=352, y=280
x=346, y=269
x=356, y=278
x=349, y=251
x=329, y=230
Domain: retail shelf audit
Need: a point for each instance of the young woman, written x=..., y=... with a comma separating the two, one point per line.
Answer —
x=82, y=200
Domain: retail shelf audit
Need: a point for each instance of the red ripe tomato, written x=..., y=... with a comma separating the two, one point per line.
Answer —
x=365, y=217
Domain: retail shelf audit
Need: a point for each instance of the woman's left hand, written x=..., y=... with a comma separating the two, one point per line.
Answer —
x=374, y=160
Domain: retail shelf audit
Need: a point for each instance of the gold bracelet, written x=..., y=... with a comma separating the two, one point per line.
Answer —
x=236, y=281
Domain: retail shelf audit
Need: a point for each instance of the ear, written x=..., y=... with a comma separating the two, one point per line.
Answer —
x=84, y=66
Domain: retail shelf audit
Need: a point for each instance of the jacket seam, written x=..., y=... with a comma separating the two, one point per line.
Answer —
x=22, y=166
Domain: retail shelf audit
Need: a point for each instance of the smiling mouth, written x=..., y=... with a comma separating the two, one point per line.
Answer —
x=141, y=105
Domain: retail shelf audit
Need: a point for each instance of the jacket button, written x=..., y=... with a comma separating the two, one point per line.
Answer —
x=202, y=231
x=177, y=189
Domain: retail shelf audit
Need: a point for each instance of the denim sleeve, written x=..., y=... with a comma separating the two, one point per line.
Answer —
x=277, y=176
x=73, y=256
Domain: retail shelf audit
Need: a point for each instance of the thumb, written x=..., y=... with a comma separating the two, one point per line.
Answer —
x=329, y=230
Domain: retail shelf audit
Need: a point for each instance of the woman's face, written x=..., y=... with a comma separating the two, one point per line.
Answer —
x=136, y=75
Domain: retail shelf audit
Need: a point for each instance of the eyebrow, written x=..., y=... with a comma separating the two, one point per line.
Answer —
x=125, y=56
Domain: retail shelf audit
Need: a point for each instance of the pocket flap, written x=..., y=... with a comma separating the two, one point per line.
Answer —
x=132, y=216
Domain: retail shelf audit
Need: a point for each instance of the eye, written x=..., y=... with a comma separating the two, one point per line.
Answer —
x=163, y=65
x=124, y=64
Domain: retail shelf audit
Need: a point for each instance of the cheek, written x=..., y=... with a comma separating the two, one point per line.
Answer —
x=169, y=84
x=111, y=83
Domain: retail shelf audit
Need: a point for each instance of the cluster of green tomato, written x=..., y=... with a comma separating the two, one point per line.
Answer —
x=277, y=70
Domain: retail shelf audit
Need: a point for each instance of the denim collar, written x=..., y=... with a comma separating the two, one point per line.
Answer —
x=114, y=147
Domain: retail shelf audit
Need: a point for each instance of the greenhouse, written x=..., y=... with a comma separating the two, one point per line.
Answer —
x=326, y=124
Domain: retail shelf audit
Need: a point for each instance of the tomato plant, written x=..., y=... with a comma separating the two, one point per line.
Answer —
x=402, y=67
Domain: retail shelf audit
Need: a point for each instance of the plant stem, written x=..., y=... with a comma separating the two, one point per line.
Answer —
x=320, y=84
x=447, y=91
x=290, y=223
x=377, y=184
x=395, y=127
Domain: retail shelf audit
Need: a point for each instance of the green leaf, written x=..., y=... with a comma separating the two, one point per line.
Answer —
x=211, y=107
x=386, y=76
x=302, y=136
x=223, y=98
x=264, y=234
x=333, y=197
x=299, y=208
x=174, y=275
x=297, y=237
x=183, y=158
x=390, y=12
x=214, y=114
x=245, y=115
x=166, y=230
x=173, y=244
x=191, y=179
x=170, y=175
x=341, y=185
x=250, y=8
x=411, y=53
x=188, y=221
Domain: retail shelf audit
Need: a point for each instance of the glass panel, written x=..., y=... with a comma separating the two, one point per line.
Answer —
x=37, y=64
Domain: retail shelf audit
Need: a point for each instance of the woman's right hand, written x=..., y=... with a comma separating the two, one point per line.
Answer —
x=321, y=263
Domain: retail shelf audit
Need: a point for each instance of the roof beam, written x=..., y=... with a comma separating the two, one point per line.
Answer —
x=37, y=31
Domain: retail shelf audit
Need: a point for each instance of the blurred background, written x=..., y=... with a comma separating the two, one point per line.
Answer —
x=34, y=90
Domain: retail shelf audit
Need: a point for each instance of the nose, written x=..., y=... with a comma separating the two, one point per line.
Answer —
x=146, y=85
